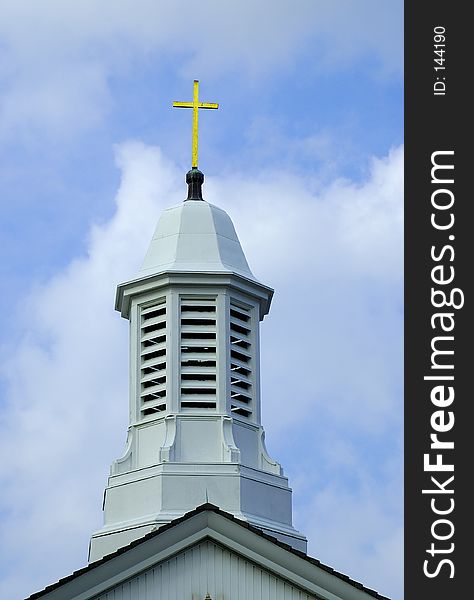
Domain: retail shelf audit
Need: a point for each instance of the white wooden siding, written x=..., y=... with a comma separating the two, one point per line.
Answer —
x=206, y=568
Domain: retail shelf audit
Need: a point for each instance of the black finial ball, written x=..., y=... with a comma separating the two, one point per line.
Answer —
x=194, y=179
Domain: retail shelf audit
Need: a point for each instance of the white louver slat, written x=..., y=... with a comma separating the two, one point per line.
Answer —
x=153, y=359
x=241, y=376
x=198, y=324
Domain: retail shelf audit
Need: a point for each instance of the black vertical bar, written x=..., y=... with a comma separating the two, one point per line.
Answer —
x=438, y=119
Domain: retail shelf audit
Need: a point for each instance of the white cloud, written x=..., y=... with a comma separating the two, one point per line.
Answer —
x=335, y=259
x=353, y=532
x=350, y=506
x=62, y=55
x=66, y=407
x=66, y=373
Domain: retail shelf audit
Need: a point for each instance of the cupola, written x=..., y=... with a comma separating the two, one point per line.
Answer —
x=195, y=432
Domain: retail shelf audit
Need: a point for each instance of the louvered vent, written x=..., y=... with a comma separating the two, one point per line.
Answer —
x=240, y=361
x=198, y=354
x=153, y=359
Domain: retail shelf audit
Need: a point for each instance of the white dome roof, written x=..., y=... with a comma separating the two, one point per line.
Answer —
x=195, y=236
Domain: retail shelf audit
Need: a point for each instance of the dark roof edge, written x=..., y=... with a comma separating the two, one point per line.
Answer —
x=185, y=517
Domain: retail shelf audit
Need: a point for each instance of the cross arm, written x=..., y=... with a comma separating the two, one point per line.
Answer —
x=183, y=104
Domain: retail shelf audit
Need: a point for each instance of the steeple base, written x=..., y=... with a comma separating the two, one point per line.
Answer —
x=140, y=501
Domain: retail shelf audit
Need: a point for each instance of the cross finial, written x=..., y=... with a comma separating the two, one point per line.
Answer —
x=195, y=105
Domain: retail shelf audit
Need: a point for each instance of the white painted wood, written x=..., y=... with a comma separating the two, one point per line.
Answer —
x=195, y=236
x=193, y=440
x=206, y=568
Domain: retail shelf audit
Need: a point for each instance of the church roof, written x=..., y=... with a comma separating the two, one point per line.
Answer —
x=195, y=236
x=308, y=572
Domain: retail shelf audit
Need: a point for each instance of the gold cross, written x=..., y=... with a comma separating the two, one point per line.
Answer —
x=195, y=105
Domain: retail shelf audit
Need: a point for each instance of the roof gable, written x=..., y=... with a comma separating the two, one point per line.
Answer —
x=206, y=567
x=200, y=543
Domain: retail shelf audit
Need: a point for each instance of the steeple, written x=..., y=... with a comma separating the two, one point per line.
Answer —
x=195, y=432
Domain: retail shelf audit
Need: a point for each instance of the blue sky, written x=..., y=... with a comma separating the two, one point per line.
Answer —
x=305, y=153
